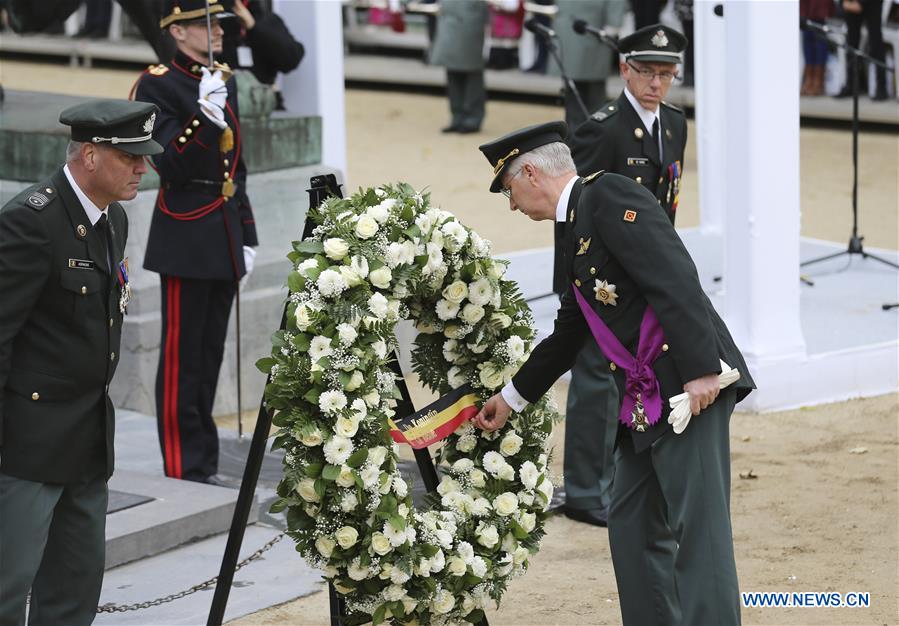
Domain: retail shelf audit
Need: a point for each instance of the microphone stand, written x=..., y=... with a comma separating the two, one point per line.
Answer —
x=553, y=46
x=855, y=242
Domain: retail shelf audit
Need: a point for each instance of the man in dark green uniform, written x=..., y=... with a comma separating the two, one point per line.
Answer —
x=63, y=269
x=634, y=290
x=619, y=138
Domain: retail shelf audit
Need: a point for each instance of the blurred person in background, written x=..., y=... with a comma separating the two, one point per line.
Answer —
x=684, y=11
x=96, y=19
x=459, y=47
x=870, y=13
x=646, y=12
x=814, y=46
x=506, y=24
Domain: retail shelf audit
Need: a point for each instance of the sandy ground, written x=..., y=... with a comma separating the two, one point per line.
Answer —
x=820, y=513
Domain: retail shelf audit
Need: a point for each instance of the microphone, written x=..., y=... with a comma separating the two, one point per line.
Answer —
x=581, y=27
x=539, y=29
x=807, y=24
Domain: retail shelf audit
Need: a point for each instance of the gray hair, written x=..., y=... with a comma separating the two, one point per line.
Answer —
x=553, y=159
x=73, y=150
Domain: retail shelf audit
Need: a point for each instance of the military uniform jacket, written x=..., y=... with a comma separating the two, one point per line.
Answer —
x=614, y=140
x=197, y=231
x=617, y=233
x=585, y=57
x=459, y=44
x=60, y=328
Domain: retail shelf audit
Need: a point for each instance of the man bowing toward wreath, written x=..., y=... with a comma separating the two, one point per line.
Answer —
x=635, y=291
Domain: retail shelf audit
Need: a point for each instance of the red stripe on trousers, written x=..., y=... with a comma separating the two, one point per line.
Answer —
x=167, y=380
x=176, y=360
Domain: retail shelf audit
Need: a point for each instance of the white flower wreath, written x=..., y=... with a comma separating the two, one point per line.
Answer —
x=375, y=258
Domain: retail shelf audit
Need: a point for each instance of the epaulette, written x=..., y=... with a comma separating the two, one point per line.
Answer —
x=606, y=112
x=39, y=198
x=589, y=179
x=158, y=70
x=672, y=107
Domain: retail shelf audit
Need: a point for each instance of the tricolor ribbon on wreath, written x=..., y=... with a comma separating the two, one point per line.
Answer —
x=436, y=421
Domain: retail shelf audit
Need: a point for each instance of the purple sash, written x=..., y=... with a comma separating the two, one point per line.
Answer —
x=642, y=403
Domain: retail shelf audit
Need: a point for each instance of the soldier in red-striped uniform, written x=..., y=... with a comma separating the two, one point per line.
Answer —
x=202, y=232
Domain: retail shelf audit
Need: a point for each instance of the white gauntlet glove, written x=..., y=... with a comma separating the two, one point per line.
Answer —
x=249, y=259
x=680, y=414
x=213, y=96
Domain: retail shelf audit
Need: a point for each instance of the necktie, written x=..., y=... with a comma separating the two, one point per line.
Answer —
x=102, y=228
x=656, y=138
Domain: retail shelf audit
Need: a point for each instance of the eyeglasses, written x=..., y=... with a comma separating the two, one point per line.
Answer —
x=648, y=74
x=507, y=191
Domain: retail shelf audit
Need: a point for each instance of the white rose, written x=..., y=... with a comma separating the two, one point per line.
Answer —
x=510, y=444
x=372, y=398
x=330, y=572
x=455, y=378
x=377, y=456
x=325, y=546
x=506, y=472
x=377, y=304
x=472, y=313
x=526, y=498
x=356, y=380
x=346, y=536
x=366, y=227
x=505, y=503
x=487, y=535
x=443, y=602
x=380, y=277
x=527, y=521
x=346, y=426
x=304, y=267
x=478, y=478
x=303, y=316
x=312, y=438
x=446, y=310
x=546, y=490
x=501, y=319
x=345, y=478
x=380, y=349
x=457, y=566
x=490, y=376
x=447, y=486
x=435, y=258
x=456, y=331
x=455, y=292
x=350, y=277
x=477, y=348
x=336, y=248
x=306, y=489
x=359, y=265
x=520, y=555
x=528, y=473
x=393, y=310
x=496, y=271
x=379, y=213
x=380, y=544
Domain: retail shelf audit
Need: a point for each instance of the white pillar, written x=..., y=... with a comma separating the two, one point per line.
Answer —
x=709, y=68
x=316, y=87
x=762, y=185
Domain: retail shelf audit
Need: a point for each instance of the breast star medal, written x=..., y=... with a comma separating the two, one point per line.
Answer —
x=605, y=292
x=638, y=415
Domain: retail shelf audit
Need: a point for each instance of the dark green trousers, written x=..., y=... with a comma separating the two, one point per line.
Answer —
x=52, y=542
x=669, y=526
x=467, y=98
x=591, y=422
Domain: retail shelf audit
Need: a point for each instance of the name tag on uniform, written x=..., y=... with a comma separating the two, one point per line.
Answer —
x=81, y=264
x=637, y=161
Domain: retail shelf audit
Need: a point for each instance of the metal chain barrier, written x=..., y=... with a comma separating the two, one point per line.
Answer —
x=109, y=607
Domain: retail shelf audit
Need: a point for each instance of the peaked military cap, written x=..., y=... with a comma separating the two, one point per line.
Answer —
x=124, y=124
x=189, y=10
x=654, y=44
x=500, y=152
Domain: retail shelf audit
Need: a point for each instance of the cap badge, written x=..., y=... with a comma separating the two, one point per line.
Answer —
x=660, y=39
x=583, y=246
x=148, y=125
x=605, y=292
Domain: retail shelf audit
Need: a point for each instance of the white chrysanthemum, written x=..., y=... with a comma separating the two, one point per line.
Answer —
x=480, y=292
x=472, y=313
x=380, y=349
x=337, y=450
x=394, y=593
x=366, y=227
x=480, y=247
x=515, y=348
x=357, y=571
x=424, y=222
x=376, y=456
x=466, y=443
x=396, y=537
x=346, y=333
x=336, y=248
x=455, y=378
x=505, y=503
x=303, y=317
x=377, y=304
x=380, y=213
x=359, y=264
x=493, y=462
x=393, y=310
x=463, y=466
x=370, y=478
x=443, y=602
x=319, y=348
x=528, y=474
x=446, y=310
x=380, y=277
x=398, y=576
x=400, y=488
x=331, y=401
x=456, y=235
x=330, y=283
x=510, y=444
x=479, y=566
x=479, y=507
x=465, y=551
x=435, y=259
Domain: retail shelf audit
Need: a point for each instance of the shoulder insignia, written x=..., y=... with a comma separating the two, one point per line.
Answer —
x=37, y=200
x=630, y=215
x=158, y=70
x=589, y=179
x=672, y=107
x=605, y=113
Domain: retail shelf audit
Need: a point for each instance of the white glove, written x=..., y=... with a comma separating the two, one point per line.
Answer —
x=680, y=414
x=249, y=259
x=213, y=96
